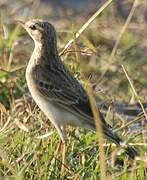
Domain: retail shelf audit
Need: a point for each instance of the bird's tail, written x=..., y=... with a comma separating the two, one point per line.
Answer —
x=131, y=151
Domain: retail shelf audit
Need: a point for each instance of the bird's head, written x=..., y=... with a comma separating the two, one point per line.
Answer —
x=41, y=31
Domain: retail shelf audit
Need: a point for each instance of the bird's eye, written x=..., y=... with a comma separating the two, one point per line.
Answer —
x=33, y=27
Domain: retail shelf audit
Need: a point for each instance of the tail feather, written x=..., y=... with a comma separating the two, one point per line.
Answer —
x=131, y=151
x=112, y=136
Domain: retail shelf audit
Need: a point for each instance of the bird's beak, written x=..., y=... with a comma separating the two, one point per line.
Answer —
x=21, y=23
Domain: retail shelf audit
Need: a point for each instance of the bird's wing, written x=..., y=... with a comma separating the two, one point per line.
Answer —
x=59, y=86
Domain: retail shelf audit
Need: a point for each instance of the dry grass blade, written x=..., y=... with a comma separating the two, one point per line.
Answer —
x=45, y=135
x=5, y=125
x=134, y=91
x=99, y=129
x=2, y=108
x=129, y=123
x=130, y=144
x=21, y=125
x=86, y=25
x=120, y=36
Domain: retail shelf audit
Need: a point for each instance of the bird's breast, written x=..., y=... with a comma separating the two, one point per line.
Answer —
x=44, y=104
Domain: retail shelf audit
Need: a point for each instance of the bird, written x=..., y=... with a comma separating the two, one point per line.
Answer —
x=55, y=90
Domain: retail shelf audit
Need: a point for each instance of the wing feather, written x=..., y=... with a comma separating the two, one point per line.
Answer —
x=59, y=86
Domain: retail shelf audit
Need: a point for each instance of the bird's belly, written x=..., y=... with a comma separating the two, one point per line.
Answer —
x=69, y=118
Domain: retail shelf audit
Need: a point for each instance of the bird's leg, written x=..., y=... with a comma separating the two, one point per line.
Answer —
x=56, y=153
x=62, y=133
x=63, y=149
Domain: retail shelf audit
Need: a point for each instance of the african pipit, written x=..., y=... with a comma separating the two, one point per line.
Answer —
x=57, y=93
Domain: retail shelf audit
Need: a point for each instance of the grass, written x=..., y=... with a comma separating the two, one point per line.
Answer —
x=28, y=141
